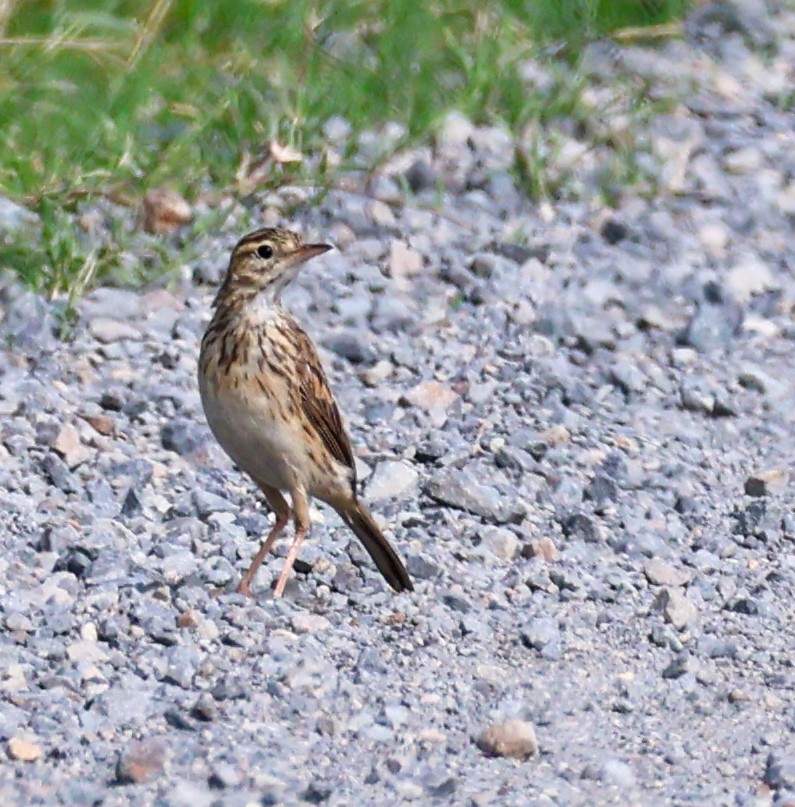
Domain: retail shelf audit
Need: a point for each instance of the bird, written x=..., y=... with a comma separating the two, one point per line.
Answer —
x=269, y=405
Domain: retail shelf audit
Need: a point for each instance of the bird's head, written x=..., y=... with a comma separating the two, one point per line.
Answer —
x=265, y=261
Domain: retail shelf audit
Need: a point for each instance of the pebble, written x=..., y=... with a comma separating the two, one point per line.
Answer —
x=392, y=480
x=511, y=738
x=141, y=761
x=500, y=543
x=677, y=608
x=165, y=210
x=181, y=436
x=404, y=262
x=543, y=549
x=543, y=634
x=14, y=216
x=660, y=573
x=581, y=527
x=309, y=623
x=462, y=490
x=23, y=750
x=749, y=277
x=617, y=773
x=713, y=327
x=682, y=664
x=767, y=482
x=68, y=446
x=109, y=331
x=780, y=771
x=429, y=396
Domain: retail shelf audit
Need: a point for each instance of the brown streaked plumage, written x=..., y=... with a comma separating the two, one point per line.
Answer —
x=269, y=405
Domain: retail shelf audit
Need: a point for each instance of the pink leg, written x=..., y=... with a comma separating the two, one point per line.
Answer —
x=282, y=512
x=301, y=511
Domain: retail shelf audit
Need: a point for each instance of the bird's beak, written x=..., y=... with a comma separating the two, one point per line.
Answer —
x=305, y=252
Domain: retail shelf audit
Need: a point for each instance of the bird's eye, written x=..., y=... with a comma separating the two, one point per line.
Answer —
x=265, y=251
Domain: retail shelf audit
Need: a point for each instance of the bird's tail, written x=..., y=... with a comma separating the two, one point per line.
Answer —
x=358, y=518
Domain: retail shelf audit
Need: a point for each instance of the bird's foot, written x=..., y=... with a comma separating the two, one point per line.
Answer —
x=245, y=589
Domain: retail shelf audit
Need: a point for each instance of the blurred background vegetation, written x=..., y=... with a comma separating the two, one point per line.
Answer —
x=118, y=96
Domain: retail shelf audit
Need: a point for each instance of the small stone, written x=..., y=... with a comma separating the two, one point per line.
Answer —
x=16, y=622
x=556, y=435
x=696, y=396
x=182, y=662
x=744, y=160
x=785, y=201
x=501, y=543
x=337, y=129
x=141, y=761
x=188, y=619
x=541, y=632
x=223, y=776
x=715, y=324
x=109, y=331
x=392, y=480
x=581, y=527
x=208, y=503
x=463, y=490
x=422, y=566
x=780, y=771
x=404, y=262
x=660, y=573
x=760, y=517
x=543, y=549
x=165, y=210
x=309, y=623
x=749, y=277
x=378, y=373
x=613, y=231
x=676, y=607
x=112, y=400
x=381, y=214
x=628, y=377
x=86, y=650
x=617, y=773
x=89, y=632
x=23, y=750
x=680, y=665
x=512, y=738
x=754, y=378
x=601, y=490
x=766, y=483
x=421, y=176
x=14, y=216
x=131, y=506
x=455, y=131
x=715, y=237
x=182, y=436
x=68, y=446
x=745, y=605
x=429, y=396
x=205, y=709
x=101, y=423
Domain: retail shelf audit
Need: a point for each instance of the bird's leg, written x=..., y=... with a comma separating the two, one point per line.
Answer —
x=301, y=514
x=282, y=512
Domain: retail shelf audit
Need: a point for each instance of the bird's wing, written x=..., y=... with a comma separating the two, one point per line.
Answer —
x=319, y=405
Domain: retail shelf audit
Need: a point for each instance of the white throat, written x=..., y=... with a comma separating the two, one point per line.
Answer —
x=263, y=307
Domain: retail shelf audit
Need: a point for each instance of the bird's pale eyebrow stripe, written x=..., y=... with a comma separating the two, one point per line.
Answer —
x=256, y=237
x=267, y=235
x=248, y=248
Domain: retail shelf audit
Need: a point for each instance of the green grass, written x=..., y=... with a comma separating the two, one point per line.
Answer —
x=112, y=97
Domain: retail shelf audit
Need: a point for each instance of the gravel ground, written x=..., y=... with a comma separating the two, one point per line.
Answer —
x=576, y=421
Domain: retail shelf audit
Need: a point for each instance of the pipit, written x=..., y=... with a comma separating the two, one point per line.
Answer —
x=269, y=405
